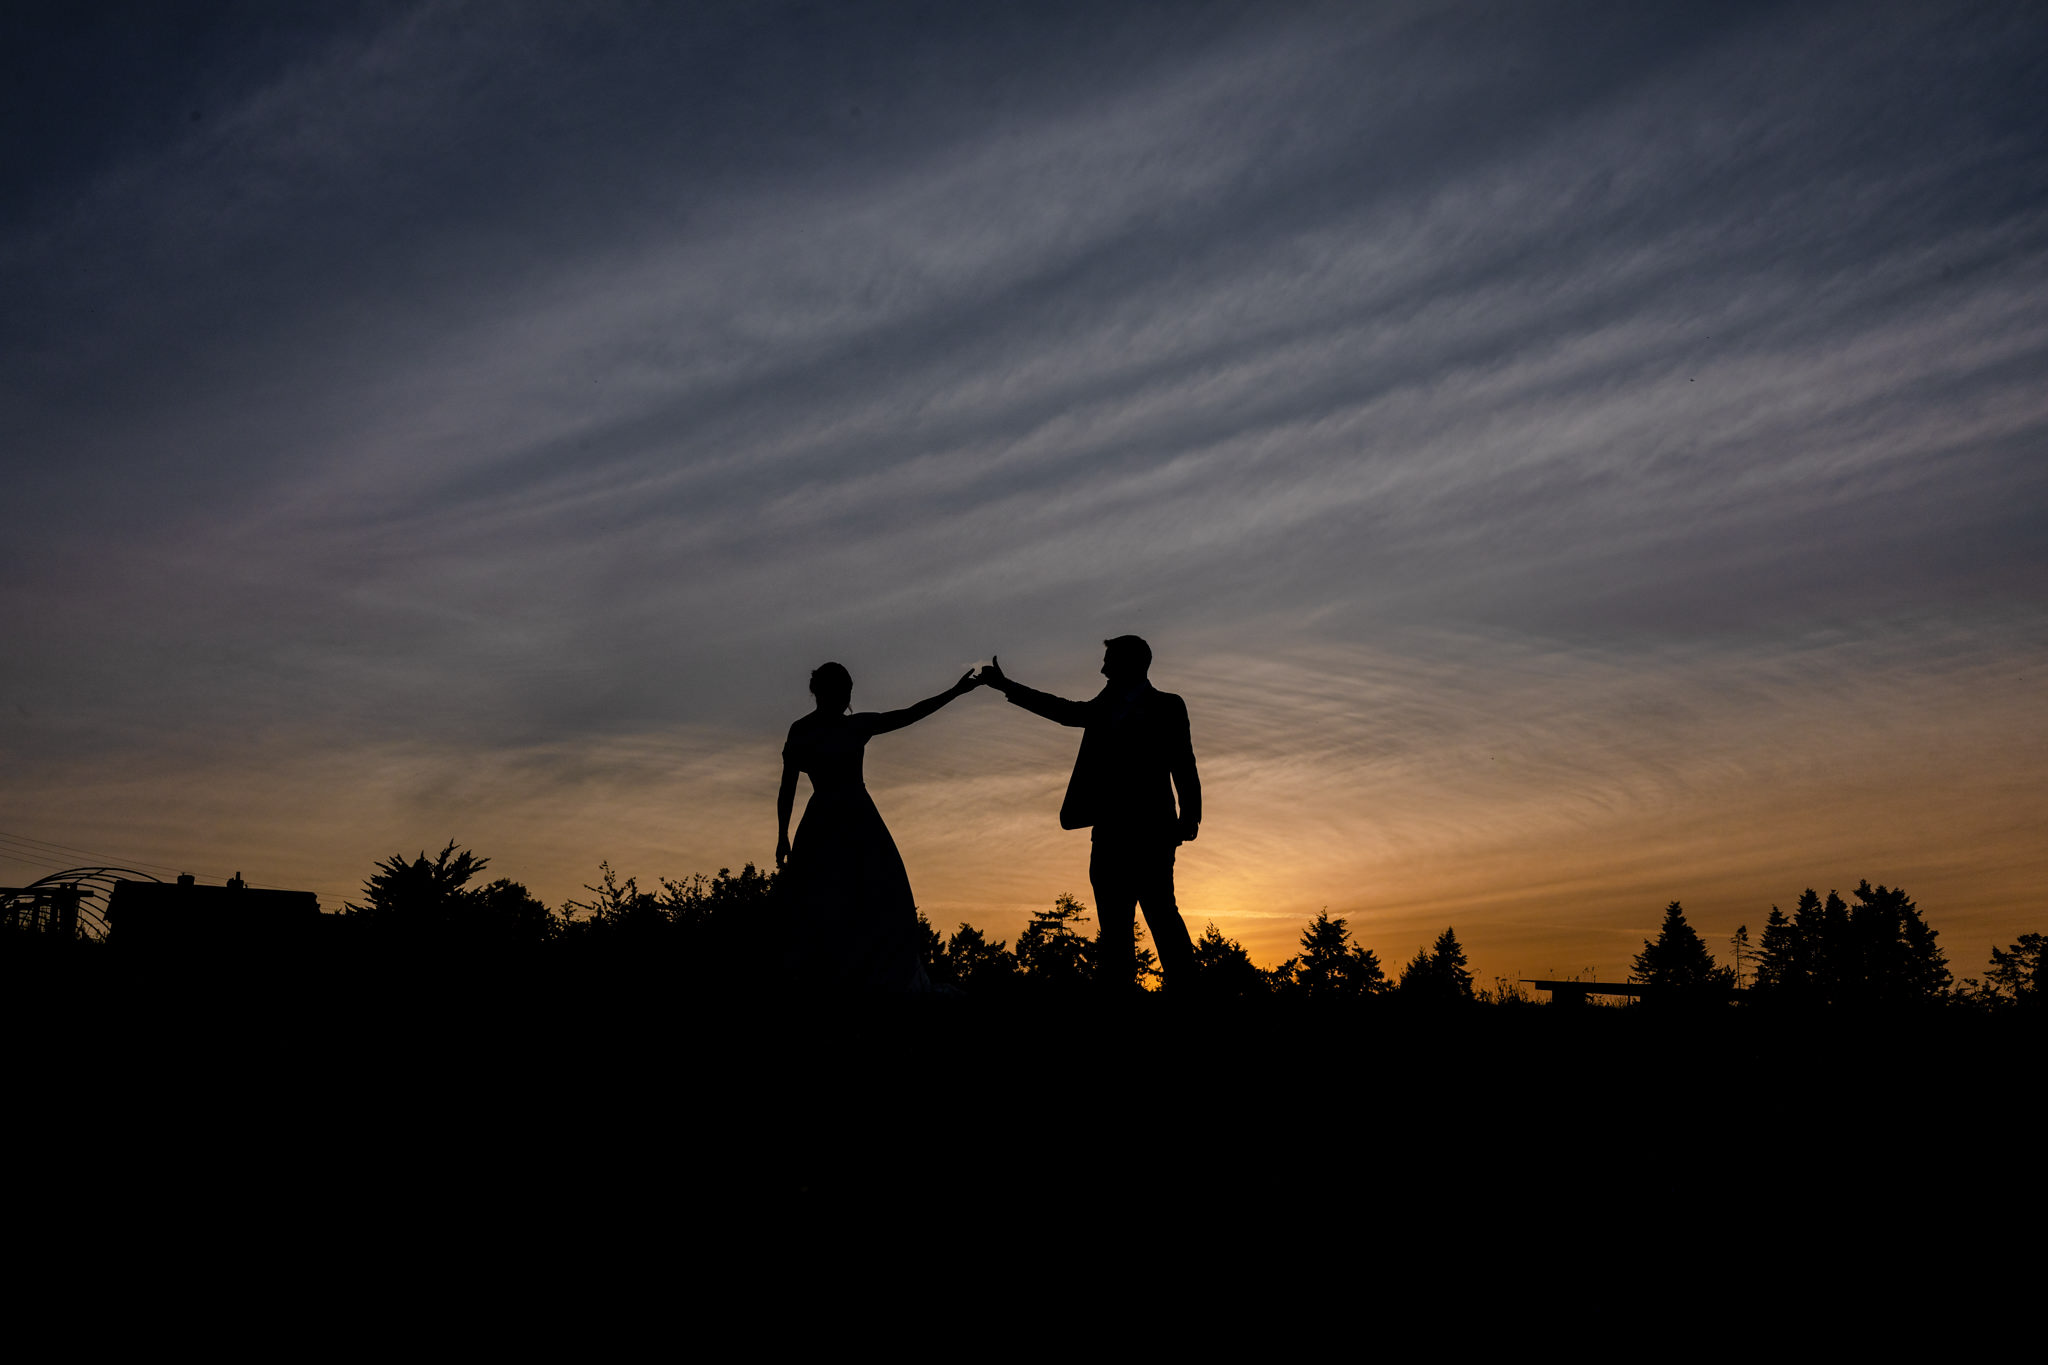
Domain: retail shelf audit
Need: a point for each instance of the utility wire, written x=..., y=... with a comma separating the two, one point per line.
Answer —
x=32, y=845
x=32, y=862
x=27, y=844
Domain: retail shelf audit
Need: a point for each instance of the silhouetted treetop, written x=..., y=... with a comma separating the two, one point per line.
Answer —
x=975, y=963
x=1895, y=950
x=1438, y=974
x=1052, y=951
x=1678, y=964
x=1871, y=950
x=2018, y=974
x=427, y=901
x=1330, y=966
x=1224, y=969
x=1879, y=953
x=418, y=890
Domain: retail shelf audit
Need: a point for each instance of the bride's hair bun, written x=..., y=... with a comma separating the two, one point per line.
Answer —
x=832, y=681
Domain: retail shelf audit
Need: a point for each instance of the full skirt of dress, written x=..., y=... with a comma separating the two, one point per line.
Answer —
x=855, y=924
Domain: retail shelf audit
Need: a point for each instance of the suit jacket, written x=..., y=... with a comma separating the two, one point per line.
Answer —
x=1135, y=752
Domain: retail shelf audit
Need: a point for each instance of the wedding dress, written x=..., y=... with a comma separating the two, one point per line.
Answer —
x=854, y=920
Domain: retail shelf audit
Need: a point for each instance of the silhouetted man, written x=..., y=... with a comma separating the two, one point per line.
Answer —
x=1135, y=754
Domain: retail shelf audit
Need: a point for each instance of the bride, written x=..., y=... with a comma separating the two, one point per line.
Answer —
x=855, y=922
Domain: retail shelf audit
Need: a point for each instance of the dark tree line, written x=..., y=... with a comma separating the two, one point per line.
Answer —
x=689, y=928
x=431, y=902
x=1677, y=965
x=1054, y=954
x=1878, y=952
x=1874, y=951
x=2016, y=979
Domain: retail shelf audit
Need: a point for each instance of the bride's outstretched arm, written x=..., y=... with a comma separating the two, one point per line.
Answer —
x=785, y=802
x=910, y=715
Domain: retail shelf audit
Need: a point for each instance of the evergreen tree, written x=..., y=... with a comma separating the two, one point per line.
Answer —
x=1331, y=967
x=1224, y=969
x=1896, y=959
x=1447, y=960
x=1280, y=980
x=2018, y=975
x=1835, y=968
x=975, y=964
x=1677, y=964
x=505, y=914
x=1807, y=976
x=1366, y=976
x=1779, y=970
x=1148, y=975
x=1415, y=977
x=1438, y=974
x=1879, y=953
x=1051, y=953
x=931, y=950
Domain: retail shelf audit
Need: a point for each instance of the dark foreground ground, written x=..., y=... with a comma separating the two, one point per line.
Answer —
x=599, y=1127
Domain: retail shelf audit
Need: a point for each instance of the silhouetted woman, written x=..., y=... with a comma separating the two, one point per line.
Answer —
x=844, y=880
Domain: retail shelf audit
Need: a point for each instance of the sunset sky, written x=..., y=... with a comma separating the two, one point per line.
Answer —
x=1570, y=457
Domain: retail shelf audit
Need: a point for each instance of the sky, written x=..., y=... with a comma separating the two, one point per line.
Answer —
x=1570, y=457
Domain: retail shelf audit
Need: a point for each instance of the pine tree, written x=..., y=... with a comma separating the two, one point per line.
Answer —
x=1806, y=971
x=1367, y=976
x=1052, y=952
x=1438, y=973
x=1895, y=956
x=931, y=950
x=974, y=963
x=1331, y=967
x=1447, y=960
x=2018, y=975
x=1835, y=968
x=1677, y=964
x=1225, y=969
x=1418, y=978
x=1779, y=971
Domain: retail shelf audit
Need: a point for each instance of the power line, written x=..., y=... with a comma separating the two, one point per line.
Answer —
x=48, y=843
x=32, y=862
x=46, y=851
x=36, y=857
x=31, y=844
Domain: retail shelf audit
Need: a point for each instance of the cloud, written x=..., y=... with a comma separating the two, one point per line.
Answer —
x=564, y=385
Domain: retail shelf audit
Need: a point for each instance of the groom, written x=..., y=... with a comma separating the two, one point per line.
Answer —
x=1135, y=754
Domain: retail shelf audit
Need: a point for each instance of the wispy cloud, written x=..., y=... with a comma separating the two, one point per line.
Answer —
x=543, y=390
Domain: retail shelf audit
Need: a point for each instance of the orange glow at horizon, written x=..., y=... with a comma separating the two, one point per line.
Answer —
x=1546, y=805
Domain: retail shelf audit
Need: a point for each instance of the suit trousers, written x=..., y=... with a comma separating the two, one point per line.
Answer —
x=1129, y=869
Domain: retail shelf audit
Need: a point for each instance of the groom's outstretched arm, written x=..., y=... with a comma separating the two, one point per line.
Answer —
x=1058, y=710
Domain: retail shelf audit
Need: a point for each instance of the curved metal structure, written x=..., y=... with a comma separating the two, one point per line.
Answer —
x=68, y=904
